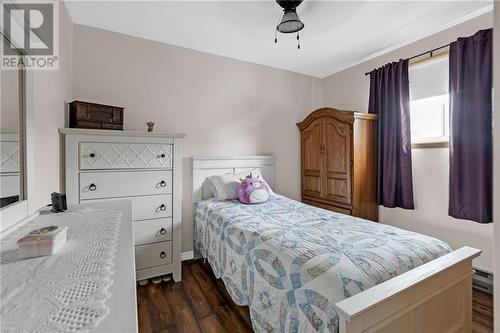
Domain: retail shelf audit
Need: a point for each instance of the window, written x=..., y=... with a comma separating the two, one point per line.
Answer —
x=429, y=103
x=430, y=118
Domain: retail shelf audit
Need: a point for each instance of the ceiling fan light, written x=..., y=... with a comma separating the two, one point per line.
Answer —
x=290, y=22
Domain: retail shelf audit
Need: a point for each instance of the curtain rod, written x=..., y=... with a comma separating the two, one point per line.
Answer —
x=421, y=54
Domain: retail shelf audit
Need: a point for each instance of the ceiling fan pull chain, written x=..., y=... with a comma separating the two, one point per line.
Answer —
x=276, y=30
x=298, y=41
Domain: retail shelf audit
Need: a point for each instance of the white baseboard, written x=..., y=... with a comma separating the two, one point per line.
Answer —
x=188, y=255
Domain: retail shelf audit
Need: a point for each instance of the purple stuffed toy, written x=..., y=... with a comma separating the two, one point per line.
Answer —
x=253, y=190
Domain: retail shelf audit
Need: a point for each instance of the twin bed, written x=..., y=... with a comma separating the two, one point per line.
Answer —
x=304, y=269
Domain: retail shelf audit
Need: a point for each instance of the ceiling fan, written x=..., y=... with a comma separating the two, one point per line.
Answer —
x=290, y=21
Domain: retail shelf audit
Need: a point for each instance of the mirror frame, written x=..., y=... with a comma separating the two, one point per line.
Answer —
x=14, y=213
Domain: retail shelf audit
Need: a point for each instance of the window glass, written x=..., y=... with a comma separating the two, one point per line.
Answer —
x=429, y=109
x=429, y=117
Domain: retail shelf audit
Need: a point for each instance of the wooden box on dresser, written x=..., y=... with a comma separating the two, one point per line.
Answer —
x=144, y=167
x=339, y=161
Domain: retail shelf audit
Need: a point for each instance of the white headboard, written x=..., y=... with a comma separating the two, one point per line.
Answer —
x=205, y=166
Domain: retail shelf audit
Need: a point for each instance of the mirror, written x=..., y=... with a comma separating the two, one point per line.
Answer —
x=12, y=90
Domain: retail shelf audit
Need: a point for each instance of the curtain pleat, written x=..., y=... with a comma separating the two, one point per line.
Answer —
x=390, y=100
x=471, y=153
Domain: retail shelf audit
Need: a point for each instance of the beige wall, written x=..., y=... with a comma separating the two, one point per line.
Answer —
x=225, y=106
x=228, y=107
x=349, y=90
x=52, y=90
x=9, y=100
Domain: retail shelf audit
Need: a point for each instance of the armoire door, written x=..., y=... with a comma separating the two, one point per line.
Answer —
x=338, y=161
x=312, y=140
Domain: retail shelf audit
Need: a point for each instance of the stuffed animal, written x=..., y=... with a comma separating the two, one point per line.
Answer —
x=253, y=189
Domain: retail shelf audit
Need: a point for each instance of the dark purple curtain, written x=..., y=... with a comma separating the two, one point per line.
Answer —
x=470, y=127
x=390, y=99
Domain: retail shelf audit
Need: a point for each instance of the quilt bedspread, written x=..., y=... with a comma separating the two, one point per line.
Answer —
x=290, y=262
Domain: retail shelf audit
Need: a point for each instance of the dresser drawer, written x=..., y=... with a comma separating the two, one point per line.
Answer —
x=10, y=185
x=148, y=207
x=152, y=255
x=152, y=207
x=152, y=231
x=10, y=156
x=114, y=155
x=100, y=185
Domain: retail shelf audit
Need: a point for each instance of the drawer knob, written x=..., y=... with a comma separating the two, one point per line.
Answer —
x=163, y=254
x=92, y=187
x=160, y=156
x=163, y=183
x=92, y=155
x=163, y=231
x=163, y=207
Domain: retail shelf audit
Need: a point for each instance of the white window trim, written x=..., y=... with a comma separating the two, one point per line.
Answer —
x=430, y=142
x=437, y=142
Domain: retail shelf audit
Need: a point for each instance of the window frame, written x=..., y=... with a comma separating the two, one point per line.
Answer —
x=430, y=142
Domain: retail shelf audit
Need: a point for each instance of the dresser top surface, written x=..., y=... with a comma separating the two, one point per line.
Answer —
x=90, y=229
x=100, y=132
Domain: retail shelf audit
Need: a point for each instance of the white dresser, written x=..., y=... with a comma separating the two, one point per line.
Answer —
x=88, y=284
x=10, y=179
x=145, y=167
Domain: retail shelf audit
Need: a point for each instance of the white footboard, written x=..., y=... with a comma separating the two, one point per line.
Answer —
x=434, y=297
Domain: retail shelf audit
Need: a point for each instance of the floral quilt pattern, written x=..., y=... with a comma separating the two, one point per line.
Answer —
x=291, y=262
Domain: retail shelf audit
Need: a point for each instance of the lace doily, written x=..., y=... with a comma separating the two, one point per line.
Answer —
x=64, y=292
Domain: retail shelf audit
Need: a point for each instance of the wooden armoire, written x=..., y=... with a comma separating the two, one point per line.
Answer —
x=339, y=162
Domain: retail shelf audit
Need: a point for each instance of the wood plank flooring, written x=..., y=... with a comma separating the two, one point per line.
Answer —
x=200, y=303
x=482, y=312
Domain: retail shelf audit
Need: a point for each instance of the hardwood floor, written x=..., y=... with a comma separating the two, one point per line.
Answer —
x=200, y=303
x=482, y=312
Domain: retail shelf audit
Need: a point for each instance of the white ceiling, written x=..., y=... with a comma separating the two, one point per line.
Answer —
x=337, y=34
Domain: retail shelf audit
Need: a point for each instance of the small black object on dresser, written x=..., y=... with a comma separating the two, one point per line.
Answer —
x=97, y=116
x=58, y=202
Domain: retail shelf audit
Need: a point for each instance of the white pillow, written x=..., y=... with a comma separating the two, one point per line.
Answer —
x=225, y=186
x=207, y=189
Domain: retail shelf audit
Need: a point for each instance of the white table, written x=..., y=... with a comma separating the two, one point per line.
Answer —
x=122, y=315
x=121, y=304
